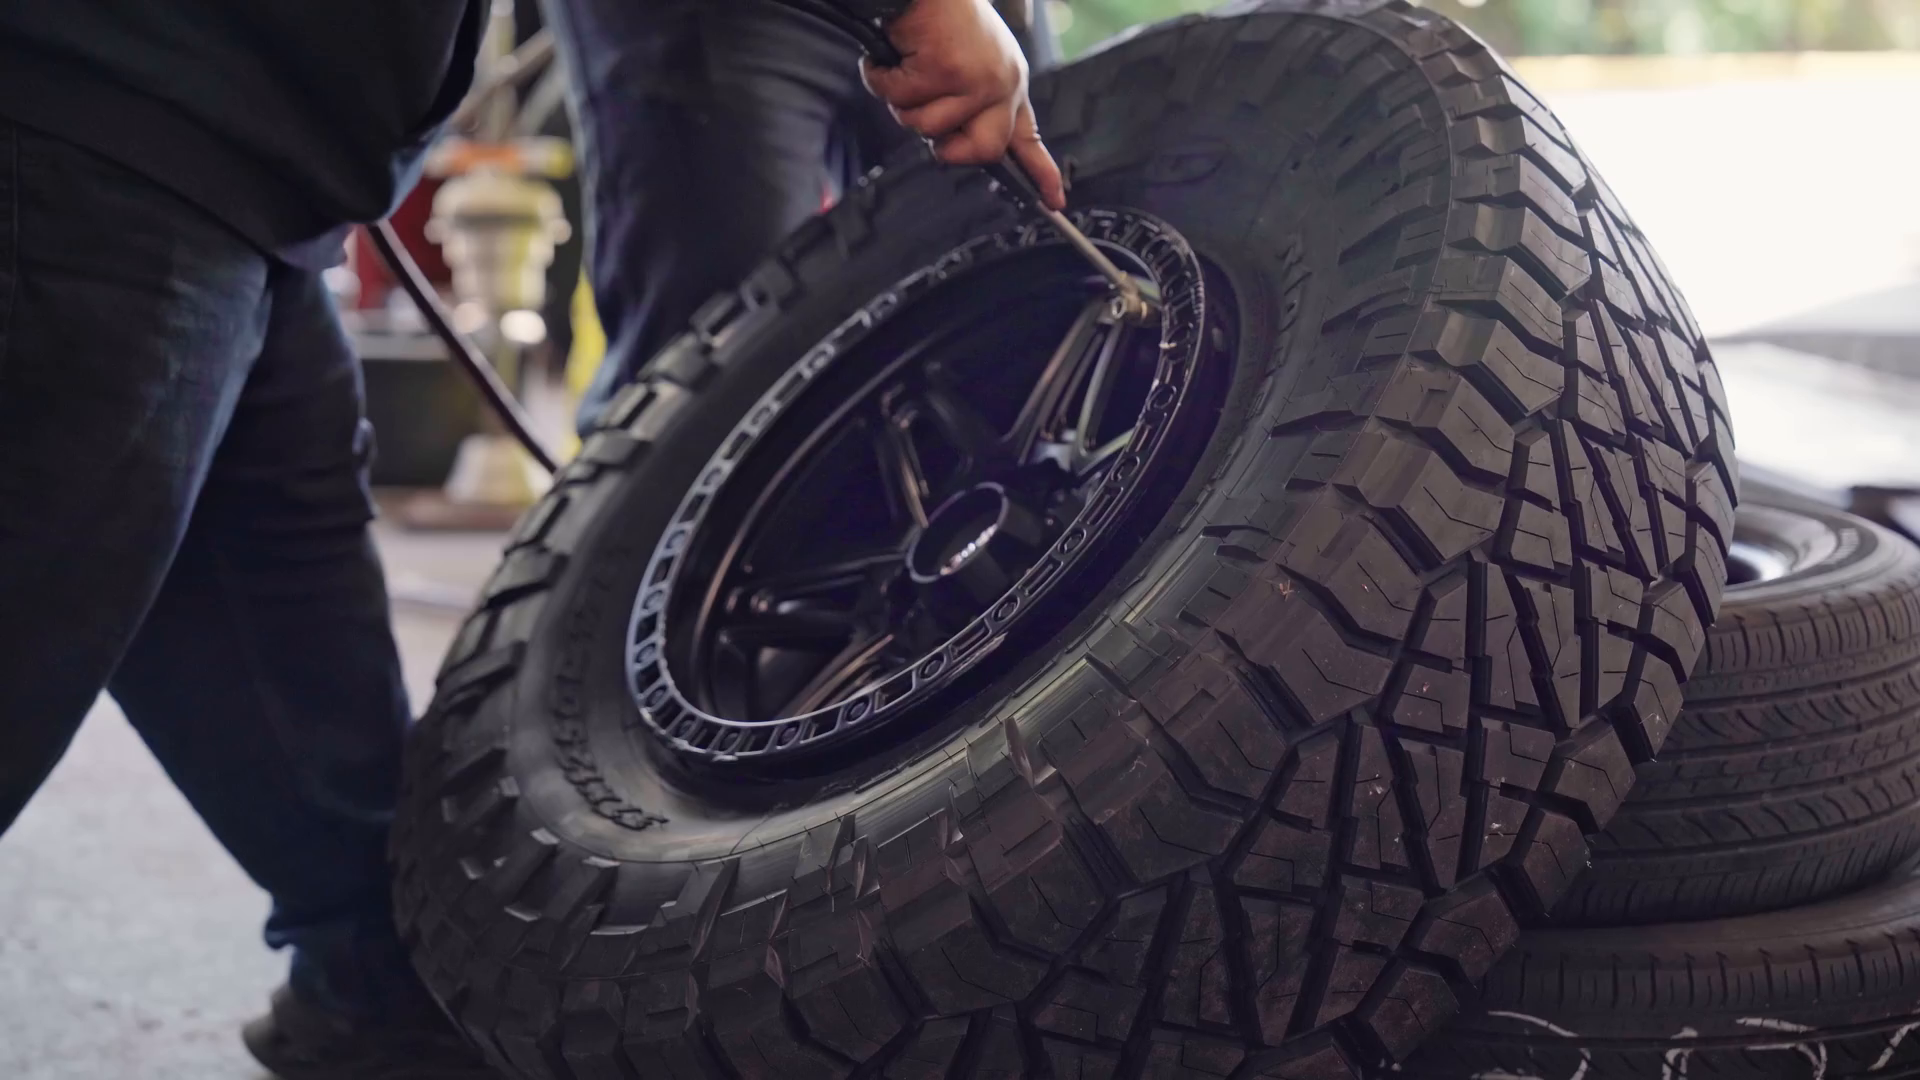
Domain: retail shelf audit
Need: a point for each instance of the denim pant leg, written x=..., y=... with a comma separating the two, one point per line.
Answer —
x=128, y=321
x=708, y=132
x=266, y=677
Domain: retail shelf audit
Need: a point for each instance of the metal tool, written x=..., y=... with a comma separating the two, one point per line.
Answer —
x=1134, y=298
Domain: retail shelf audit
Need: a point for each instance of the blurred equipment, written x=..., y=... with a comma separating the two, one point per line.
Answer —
x=498, y=221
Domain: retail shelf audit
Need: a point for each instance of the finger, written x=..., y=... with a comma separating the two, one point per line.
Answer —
x=938, y=119
x=906, y=87
x=982, y=141
x=1034, y=156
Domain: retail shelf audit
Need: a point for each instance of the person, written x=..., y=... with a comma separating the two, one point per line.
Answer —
x=183, y=501
x=709, y=131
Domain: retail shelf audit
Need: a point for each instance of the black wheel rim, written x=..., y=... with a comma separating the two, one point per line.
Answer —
x=909, y=494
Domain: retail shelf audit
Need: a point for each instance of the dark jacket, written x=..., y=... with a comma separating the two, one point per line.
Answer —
x=288, y=119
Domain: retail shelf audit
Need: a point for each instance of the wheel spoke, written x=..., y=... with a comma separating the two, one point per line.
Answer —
x=960, y=423
x=768, y=592
x=1105, y=452
x=860, y=660
x=1093, y=405
x=1057, y=379
x=908, y=490
x=804, y=628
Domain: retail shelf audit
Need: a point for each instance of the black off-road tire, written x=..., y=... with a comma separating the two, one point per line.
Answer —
x=1280, y=795
x=1793, y=774
x=1830, y=990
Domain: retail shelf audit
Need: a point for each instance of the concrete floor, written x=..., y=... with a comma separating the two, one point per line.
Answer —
x=129, y=941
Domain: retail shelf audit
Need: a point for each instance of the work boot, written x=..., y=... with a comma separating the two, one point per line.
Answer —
x=298, y=1040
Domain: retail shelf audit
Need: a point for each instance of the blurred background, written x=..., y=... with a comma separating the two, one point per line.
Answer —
x=1768, y=148
x=1597, y=27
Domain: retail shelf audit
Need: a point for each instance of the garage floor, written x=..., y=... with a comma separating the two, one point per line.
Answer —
x=129, y=941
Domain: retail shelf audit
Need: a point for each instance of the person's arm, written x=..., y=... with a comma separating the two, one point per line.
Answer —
x=961, y=83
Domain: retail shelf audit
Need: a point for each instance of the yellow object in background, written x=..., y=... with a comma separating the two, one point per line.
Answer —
x=589, y=348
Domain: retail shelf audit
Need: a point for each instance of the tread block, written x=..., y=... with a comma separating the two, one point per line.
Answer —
x=1516, y=181
x=1553, y=640
x=1516, y=379
x=1507, y=682
x=1120, y=953
x=1594, y=528
x=1446, y=634
x=1554, y=856
x=521, y=572
x=1348, y=983
x=1456, y=419
x=1199, y=987
x=1379, y=833
x=1126, y=791
x=1501, y=287
x=930, y=1052
x=1176, y=1056
x=1656, y=702
x=1225, y=733
x=1284, y=857
x=1072, y=1061
x=1439, y=786
x=838, y=989
x=1513, y=755
x=1375, y=912
x=1273, y=625
x=1536, y=536
x=1472, y=928
x=1435, y=701
x=1484, y=136
x=1311, y=785
x=946, y=946
x=1000, y=1053
x=1419, y=493
x=1674, y=626
x=1412, y=1004
x=1599, y=775
x=1371, y=583
x=1279, y=934
x=1520, y=233
x=1503, y=820
x=1089, y=1009
x=1503, y=97
x=1324, y=1062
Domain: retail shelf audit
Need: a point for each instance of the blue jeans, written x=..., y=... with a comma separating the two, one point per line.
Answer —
x=708, y=132
x=183, y=522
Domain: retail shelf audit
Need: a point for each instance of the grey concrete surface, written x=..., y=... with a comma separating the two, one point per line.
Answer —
x=129, y=942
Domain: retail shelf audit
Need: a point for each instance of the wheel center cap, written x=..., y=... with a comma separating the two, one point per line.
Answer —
x=959, y=531
x=973, y=546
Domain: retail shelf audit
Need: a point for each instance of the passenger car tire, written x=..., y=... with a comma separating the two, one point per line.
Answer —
x=1276, y=798
x=1830, y=990
x=1793, y=773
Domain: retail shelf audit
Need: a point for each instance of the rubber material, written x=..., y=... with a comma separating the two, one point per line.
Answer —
x=1279, y=796
x=1828, y=991
x=1794, y=772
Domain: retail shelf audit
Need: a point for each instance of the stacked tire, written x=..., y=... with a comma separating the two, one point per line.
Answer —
x=1754, y=909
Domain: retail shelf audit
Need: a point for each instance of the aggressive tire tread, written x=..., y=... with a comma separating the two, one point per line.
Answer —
x=1278, y=834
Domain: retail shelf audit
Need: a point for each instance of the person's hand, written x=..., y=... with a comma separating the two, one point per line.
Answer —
x=962, y=84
